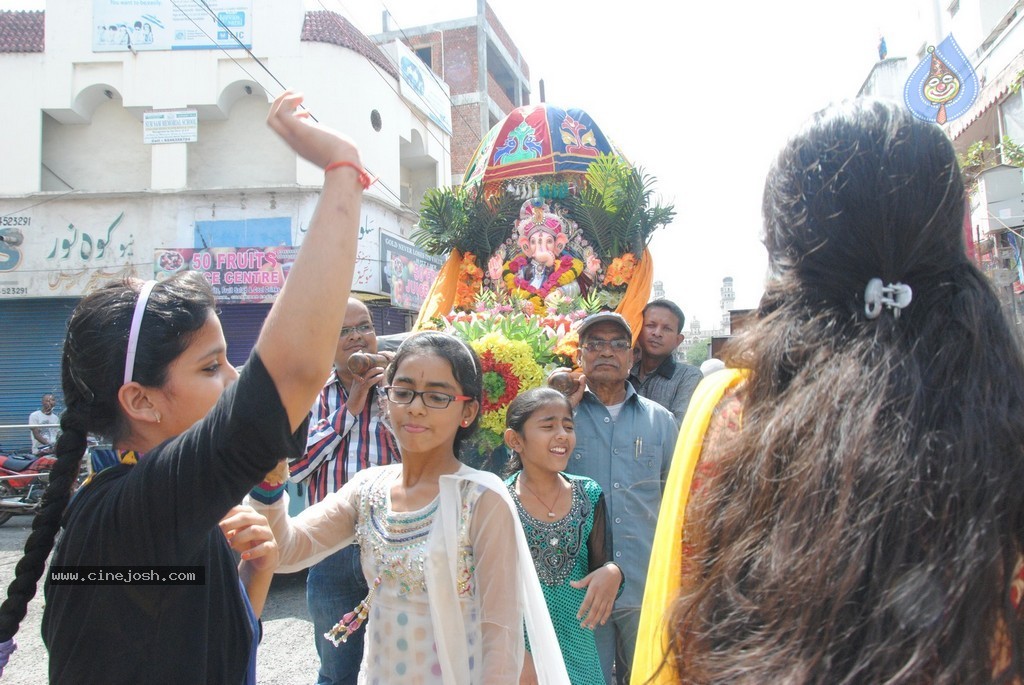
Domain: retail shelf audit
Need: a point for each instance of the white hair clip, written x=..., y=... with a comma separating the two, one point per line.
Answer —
x=895, y=296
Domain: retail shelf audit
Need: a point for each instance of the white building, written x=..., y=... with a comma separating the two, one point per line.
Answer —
x=91, y=188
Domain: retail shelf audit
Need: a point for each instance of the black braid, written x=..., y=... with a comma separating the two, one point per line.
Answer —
x=91, y=372
x=69, y=449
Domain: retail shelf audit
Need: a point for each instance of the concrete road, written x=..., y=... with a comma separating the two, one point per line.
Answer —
x=286, y=655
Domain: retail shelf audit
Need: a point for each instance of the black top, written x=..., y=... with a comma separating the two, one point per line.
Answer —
x=164, y=512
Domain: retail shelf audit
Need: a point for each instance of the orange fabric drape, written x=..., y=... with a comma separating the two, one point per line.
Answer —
x=442, y=294
x=638, y=292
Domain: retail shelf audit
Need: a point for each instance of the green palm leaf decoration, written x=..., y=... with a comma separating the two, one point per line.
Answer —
x=613, y=207
x=457, y=218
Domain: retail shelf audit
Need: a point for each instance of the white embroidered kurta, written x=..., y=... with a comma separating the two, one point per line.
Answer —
x=465, y=549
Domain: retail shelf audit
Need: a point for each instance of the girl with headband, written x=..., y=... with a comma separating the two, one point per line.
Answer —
x=145, y=367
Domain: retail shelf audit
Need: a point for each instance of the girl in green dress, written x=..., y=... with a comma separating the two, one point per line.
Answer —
x=564, y=520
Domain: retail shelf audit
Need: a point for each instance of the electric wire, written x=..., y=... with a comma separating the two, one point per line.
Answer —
x=206, y=7
x=387, y=80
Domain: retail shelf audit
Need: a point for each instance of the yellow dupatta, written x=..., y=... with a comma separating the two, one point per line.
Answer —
x=664, y=571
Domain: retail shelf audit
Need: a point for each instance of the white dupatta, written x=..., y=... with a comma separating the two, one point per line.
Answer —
x=441, y=578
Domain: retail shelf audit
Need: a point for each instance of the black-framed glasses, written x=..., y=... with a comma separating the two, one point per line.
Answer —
x=619, y=345
x=432, y=399
x=361, y=329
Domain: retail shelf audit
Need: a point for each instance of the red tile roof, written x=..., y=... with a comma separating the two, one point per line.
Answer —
x=322, y=26
x=21, y=31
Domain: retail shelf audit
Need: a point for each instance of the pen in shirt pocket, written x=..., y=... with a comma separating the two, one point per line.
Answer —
x=638, y=444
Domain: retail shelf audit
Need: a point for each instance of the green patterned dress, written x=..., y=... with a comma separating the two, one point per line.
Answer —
x=565, y=550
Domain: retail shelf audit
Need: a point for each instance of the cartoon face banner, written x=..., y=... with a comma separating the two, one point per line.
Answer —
x=943, y=86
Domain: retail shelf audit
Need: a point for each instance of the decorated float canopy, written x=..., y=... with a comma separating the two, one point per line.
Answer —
x=537, y=140
x=550, y=224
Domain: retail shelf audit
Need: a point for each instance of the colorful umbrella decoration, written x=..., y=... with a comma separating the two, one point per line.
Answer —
x=537, y=140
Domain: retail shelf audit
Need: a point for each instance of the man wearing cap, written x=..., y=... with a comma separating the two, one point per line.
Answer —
x=625, y=443
x=657, y=376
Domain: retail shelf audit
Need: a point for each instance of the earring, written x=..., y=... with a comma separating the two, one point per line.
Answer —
x=465, y=423
x=156, y=415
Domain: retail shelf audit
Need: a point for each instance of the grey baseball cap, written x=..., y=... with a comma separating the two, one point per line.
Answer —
x=601, y=317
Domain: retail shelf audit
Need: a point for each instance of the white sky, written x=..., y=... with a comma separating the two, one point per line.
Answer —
x=700, y=94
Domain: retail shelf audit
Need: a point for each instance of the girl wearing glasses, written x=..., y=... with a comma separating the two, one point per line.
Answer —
x=450, y=575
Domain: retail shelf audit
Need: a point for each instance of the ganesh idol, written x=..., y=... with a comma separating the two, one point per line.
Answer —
x=544, y=266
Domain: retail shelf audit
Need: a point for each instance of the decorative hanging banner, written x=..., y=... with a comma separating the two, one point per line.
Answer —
x=943, y=86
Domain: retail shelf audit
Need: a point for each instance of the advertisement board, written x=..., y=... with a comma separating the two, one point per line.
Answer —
x=135, y=25
x=172, y=126
x=237, y=275
x=421, y=88
x=407, y=271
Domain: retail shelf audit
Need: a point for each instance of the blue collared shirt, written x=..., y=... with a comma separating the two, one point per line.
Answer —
x=629, y=458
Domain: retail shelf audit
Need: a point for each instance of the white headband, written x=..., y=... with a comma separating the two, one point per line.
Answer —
x=133, y=333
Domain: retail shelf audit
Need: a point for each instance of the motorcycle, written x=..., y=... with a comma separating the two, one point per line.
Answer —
x=23, y=480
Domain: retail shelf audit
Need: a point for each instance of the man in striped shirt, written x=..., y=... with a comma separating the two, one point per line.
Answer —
x=345, y=435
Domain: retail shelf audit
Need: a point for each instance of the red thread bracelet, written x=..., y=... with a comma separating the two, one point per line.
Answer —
x=365, y=179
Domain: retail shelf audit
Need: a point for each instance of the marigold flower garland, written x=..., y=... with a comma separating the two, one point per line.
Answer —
x=568, y=270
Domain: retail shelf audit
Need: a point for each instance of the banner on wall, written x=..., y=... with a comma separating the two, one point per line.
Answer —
x=238, y=275
x=171, y=126
x=120, y=25
x=407, y=271
x=421, y=88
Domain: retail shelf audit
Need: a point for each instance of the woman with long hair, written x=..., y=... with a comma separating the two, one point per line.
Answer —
x=144, y=366
x=855, y=501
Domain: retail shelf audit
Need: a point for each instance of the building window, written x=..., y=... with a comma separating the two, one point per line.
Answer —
x=1012, y=110
x=375, y=120
x=425, y=55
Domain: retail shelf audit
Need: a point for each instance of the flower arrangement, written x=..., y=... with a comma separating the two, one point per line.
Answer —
x=470, y=278
x=618, y=273
x=509, y=367
x=517, y=351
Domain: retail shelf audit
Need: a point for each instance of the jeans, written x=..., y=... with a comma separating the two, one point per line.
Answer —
x=616, y=641
x=334, y=587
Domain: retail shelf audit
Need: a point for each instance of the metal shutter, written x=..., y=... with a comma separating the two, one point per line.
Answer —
x=31, y=341
x=242, y=324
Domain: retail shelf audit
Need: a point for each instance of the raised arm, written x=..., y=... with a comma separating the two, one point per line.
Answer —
x=298, y=340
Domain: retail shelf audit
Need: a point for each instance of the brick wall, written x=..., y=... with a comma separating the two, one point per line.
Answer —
x=505, y=40
x=465, y=136
x=430, y=40
x=498, y=95
x=460, y=60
